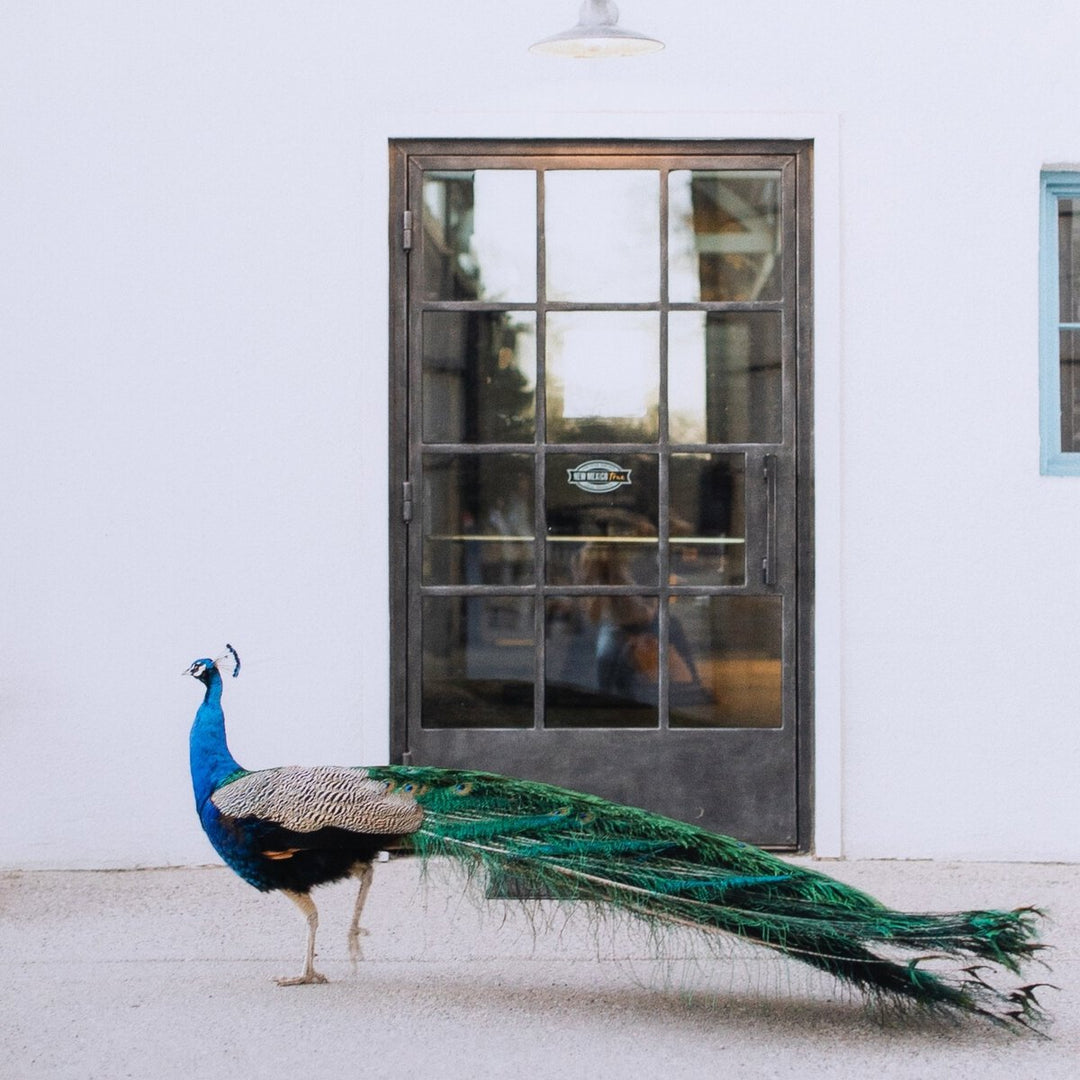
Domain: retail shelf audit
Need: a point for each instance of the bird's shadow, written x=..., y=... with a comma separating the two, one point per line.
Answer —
x=838, y=1017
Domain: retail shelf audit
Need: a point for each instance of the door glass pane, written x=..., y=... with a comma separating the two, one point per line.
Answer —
x=602, y=520
x=602, y=235
x=724, y=377
x=479, y=376
x=477, y=662
x=478, y=519
x=708, y=519
x=601, y=662
x=1070, y=390
x=479, y=239
x=1069, y=259
x=603, y=376
x=725, y=664
x=724, y=235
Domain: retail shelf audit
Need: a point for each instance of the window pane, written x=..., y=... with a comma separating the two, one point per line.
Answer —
x=478, y=662
x=479, y=376
x=603, y=376
x=1070, y=391
x=724, y=377
x=601, y=662
x=479, y=238
x=725, y=664
x=602, y=235
x=708, y=519
x=478, y=519
x=724, y=230
x=602, y=520
x=1069, y=259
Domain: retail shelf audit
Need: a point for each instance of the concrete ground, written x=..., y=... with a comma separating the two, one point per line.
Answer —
x=167, y=973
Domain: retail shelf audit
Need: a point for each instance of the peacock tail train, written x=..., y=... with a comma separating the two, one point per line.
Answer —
x=553, y=842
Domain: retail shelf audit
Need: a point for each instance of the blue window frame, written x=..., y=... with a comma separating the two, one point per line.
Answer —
x=1059, y=323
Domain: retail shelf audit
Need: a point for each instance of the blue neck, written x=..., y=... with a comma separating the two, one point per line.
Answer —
x=211, y=761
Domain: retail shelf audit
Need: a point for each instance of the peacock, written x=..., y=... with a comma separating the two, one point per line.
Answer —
x=293, y=828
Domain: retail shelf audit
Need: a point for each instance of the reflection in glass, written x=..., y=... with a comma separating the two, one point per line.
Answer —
x=603, y=376
x=479, y=239
x=479, y=376
x=477, y=662
x=602, y=235
x=724, y=235
x=708, y=519
x=1070, y=390
x=724, y=377
x=1069, y=312
x=602, y=537
x=478, y=519
x=732, y=645
x=1069, y=259
x=601, y=662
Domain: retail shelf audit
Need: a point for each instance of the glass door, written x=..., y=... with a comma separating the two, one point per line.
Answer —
x=600, y=527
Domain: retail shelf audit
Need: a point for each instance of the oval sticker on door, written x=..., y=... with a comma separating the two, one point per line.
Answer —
x=598, y=476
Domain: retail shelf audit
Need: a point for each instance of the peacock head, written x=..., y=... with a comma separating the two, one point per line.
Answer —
x=203, y=669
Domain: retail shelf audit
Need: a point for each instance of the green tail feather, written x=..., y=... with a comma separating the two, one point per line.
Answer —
x=566, y=844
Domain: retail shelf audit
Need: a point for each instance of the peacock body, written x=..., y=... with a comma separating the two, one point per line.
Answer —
x=291, y=829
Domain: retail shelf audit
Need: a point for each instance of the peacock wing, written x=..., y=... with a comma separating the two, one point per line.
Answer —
x=307, y=798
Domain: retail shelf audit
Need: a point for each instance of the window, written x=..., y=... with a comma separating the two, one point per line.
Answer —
x=1059, y=323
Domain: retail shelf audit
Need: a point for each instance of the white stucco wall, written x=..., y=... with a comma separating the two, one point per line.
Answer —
x=193, y=409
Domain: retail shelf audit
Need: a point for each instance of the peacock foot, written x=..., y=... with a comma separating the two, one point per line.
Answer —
x=308, y=978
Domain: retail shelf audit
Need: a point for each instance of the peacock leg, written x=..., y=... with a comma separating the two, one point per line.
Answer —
x=365, y=873
x=304, y=902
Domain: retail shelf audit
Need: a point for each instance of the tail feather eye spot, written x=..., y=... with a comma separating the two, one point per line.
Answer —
x=462, y=789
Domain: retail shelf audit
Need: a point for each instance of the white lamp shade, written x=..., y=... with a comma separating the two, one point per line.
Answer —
x=597, y=35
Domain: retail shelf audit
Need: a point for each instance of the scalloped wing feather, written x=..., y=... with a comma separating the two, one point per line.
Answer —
x=307, y=798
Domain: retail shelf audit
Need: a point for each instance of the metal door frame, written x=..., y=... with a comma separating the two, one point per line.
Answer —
x=399, y=241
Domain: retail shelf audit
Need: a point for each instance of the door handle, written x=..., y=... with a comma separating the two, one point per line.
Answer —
x=768, y=563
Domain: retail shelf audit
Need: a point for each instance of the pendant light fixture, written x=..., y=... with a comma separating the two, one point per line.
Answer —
x=597, y=35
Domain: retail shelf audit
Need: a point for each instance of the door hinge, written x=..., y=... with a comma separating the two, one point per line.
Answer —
x=406, y=501
x=406, y=230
